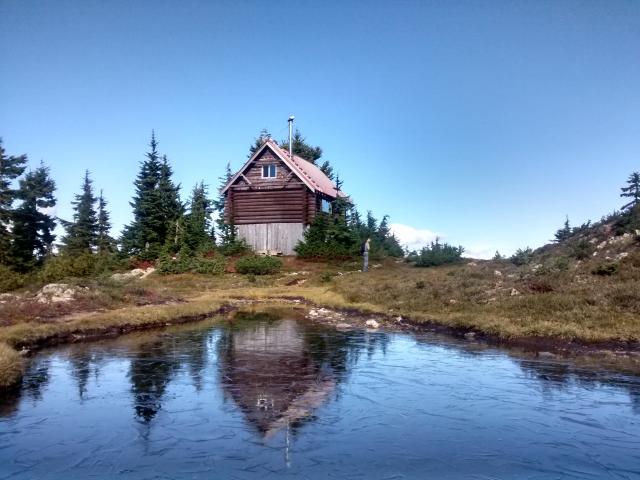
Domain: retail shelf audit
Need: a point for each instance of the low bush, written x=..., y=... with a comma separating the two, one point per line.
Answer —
x=63, y=266
x=258, y=265
x=438, y=254
x=232, y=248
x=10, y=280
x=581, y=249
x=605, y=269
x=521, y=257
x=191, y=264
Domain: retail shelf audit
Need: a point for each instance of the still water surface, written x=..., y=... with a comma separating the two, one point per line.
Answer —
x=272, y=397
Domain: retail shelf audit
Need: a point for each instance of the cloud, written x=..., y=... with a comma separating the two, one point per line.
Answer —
x=479, y=251
x=413, y=238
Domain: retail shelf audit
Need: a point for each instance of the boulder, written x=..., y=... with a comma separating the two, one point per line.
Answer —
x=133, y=274
x=514, y=292
x=343, y=326
x=371, y=323
x=56, y=292
x=497, y=273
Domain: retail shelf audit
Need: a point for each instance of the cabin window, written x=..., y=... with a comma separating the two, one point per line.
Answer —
x=325, y=206
x=269, y=171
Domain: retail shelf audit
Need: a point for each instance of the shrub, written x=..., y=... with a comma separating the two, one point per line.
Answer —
x=81, y=265
x=581, y=249
x=522, y=257
x=258, y=265
x=328, y=237
x=605, y=269
x=540, y=285
x=326, y=277
x=438, y=254
x=191, y=264
x=234, y=247
x=420, y=285
x=10, y=280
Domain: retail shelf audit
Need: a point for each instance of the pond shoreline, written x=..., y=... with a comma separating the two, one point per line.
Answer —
x=543, y=347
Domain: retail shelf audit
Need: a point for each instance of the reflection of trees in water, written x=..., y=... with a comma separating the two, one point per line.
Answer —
x=279, y=371
x=85, y=361
x=150, y=371
x=156, y=363
x=35, y=379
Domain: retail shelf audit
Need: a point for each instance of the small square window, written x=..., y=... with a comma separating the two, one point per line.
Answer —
x=269, y=171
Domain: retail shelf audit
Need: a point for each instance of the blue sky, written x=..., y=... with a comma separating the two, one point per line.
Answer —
x=484, y=122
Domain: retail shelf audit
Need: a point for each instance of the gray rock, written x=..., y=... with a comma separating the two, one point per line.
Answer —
x=371, y=323
x=56, y=292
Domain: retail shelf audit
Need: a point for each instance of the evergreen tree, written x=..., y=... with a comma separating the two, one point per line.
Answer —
x=327, y=169
x=172, y=208
x=104, y=242
x=389, y=244
x=227, y=233
x=198, y=221
x=258, y=142
x=32, y=225
x=497, y=257
x=565, y=232
x=301, y=148
x=156, y=206
x=11, y=167
x=632, y=191
x=82, y=232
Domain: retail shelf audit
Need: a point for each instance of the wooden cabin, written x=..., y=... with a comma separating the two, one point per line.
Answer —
x=274, y=197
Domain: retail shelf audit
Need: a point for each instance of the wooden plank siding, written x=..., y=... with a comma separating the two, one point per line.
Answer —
x=253, y=199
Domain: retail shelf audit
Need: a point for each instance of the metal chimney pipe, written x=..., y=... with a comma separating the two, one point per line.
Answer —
x=291, y=119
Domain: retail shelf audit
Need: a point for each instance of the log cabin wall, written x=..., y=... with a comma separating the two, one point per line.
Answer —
x=270, y=213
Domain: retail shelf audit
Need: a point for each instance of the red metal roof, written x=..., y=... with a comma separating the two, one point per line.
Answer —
x=308, y=170
x=309, y=173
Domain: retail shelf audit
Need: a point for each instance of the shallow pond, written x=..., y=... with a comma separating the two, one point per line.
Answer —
x=265, y=396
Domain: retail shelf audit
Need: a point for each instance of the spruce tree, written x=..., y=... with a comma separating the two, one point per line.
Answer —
x=32, y=226
x=11, y=167
x=327, y=169
x=82, y=232
x=104, y=242
x=301, y=148
x=227, y=233
x=565, y=232
x=258, y=142
x=197, y=229
x=632, y=191
x=156, y=206
x=172, y=208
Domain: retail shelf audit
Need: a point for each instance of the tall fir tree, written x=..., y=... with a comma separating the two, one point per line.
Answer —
x=226, y=231
x=32, y=226
x=258, y=142
x=632, y=191
x=11, y=167
x=104, y=241
x=172, y=208
x=82, y=232
x=197, y=222
x=156, y=206
x=301, y=148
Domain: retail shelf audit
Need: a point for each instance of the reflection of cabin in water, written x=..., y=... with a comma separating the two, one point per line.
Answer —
x=268, y=371
x=274, y=197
